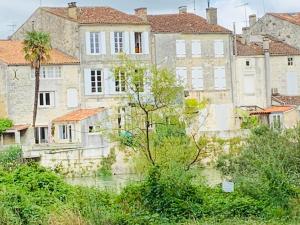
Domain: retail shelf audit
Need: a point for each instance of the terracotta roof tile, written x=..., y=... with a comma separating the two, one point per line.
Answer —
x=290, y=17
x=274, y=109
x=183, y=23
x=11, y=53
x=97, y=15
x=277, y=48
x=19, y=127
x=287, y=100
x=78, y=115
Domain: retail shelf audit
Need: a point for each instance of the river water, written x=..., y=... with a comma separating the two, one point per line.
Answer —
x=117, y=182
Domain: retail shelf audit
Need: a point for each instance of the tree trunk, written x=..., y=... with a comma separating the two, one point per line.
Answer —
x=36, y=96
x=148, y=139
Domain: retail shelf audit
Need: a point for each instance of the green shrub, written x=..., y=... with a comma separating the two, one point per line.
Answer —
x=5, y=124
x=11, y=157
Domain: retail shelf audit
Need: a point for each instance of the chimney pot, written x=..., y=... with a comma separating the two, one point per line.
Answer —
x=72, y=10
x=252, y=19
x=142, y=13
x=212, y=15
x=182, y=9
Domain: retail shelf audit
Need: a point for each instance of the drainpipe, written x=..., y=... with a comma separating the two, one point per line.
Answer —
x=266, y=48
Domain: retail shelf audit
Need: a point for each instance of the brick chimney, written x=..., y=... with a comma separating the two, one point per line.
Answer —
x=142, y=13
x=182, y=9
x=72, y=10
x=212, y=15
x=252, y=20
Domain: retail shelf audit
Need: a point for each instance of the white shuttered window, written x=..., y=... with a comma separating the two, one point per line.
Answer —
x=292, y=84
x=196, y=48
x=181, y=75
x=220, y=78
x=197, y=78
x=249, y=84
x=72, y=97
x=219, y=48
x=180, y=48
x=95, y=43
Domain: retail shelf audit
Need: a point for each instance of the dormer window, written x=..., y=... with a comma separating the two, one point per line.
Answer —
x=290, y=61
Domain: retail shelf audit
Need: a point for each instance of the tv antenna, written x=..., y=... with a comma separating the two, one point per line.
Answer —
x=208, y=3
x=245, y=7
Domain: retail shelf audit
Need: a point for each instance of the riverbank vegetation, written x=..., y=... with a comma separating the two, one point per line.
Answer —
x=265, y=171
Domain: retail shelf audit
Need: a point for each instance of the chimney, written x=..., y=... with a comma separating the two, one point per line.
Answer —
x=142, y=13
x=212, y=15
x=252, y=20
x=72, y=10
x=182, y=9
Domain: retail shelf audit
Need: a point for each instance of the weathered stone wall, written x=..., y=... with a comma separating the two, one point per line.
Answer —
x=291, y=119
x=64, y=33
x=3, y=92
x=280, y=29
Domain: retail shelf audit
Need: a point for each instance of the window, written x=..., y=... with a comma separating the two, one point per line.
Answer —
x=72, y=97
x=181, y=75
x=96, y=81
x=120, y=82
x=220, y=78
x=46, y=99
x=41, y=135
x=66, y=132
x=50, y=72
x=247, y=63
x=276, y=121
x=219, y=48
x=292, y=84
x=94, y=129
x=197, y=78
x=118, y=42
x=121, y=117
x=95, y=42
x=180, y=48
x=139, y=81
x=138, y=42
x=290, y=61
x=196, y=48
x=249, y=84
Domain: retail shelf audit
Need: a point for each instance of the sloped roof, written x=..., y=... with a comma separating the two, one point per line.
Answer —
x=287, y=100
x=97, y=15
x=277, y=48
x=78, y=115
x=11, y=53
x=183, y=23
x=274, y=109
x=290, y=17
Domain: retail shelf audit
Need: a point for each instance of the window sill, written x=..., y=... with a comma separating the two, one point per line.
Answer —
x=46, y=107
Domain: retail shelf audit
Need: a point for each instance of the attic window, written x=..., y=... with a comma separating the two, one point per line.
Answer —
x=247, y=63
x=290, y=61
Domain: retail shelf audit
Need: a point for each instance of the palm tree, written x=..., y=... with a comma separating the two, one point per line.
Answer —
x=37, y=47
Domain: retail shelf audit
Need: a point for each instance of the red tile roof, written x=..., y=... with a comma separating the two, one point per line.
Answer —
x=78, y=115
x=274, y=109
x=277, y=48
x=11, y=53
x=183, y=23
x=290, y=17
x=287, y=100
x=18, y=128
x=97, y=15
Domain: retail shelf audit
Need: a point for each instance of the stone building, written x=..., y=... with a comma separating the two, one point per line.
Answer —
x=283, y=26
x=264, y=69
x=200, y=53
x=59, y=90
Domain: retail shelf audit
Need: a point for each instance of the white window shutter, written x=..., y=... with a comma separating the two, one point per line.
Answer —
x=222, y=114
x=52, y=98
x=249, y=84
x=145, y=43
x=220, y=78
x=109, y=82
x=181, y=75
x=292, y=84
x=112, y=43
x=88, y=43
x=196, y=48
x=180, y=48
x=197, y=78
x=103, y=43
x=72, y=97
x=87, y=82
x=219, y=48
x=126, y=43
x=132, y=43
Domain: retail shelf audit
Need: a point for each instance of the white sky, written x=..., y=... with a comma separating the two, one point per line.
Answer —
x=15, y=12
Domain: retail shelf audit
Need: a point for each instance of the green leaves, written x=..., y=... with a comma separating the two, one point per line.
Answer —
x=5, y=124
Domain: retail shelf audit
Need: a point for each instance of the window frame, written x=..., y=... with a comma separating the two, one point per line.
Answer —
x=290, y=61
x=38, y=131
x=95, y=43
x=44, y=94
x=140, y=42
x=96, y=81
x=121, y=80
x=119, y=42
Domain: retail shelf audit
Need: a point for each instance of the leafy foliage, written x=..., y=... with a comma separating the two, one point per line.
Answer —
x=5, y=124
x=10, y=157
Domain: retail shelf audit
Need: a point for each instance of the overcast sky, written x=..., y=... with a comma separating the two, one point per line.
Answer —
x=15, y=12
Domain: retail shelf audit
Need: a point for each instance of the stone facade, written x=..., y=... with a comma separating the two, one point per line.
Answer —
x=281, y=29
